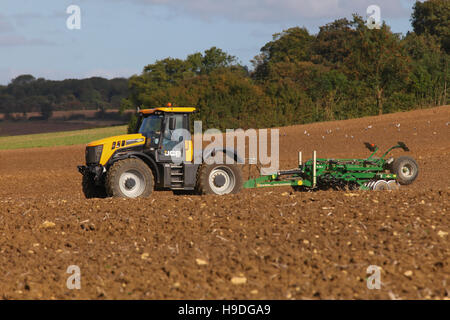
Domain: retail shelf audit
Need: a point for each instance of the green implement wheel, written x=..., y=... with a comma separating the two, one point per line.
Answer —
x=406, y=169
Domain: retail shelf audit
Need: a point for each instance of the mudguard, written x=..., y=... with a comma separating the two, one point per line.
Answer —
x=207, y=153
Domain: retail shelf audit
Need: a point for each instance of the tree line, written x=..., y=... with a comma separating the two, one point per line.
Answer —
x=27, y=94
x=346, y=70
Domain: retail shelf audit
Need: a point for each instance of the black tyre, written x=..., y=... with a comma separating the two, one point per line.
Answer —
x=90, y=189
x=406, y=169
x=219, y=179
x=129, y=178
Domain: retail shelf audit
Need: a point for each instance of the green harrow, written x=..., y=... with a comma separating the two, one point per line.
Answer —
x=366, y=174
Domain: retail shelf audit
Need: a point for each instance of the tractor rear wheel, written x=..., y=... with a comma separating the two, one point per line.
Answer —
x=219, y=179
x=406, y=169
x=129, y=178
x=90, y=189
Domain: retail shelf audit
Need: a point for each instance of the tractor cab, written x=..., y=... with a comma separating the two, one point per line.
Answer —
x=167, y=132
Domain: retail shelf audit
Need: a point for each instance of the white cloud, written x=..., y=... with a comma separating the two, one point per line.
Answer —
x=278, y=10
x=10, y=37
x=13, y=40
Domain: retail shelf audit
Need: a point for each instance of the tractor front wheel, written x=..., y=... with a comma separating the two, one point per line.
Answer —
x=219, y=179
x=129, y=178
x=406, y=169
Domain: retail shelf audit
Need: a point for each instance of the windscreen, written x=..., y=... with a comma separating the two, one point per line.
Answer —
x=151, y=127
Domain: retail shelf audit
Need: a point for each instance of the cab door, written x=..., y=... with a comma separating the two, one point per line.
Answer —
x=174, y=139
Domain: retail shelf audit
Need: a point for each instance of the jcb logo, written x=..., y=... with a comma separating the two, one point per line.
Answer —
x=172, y=153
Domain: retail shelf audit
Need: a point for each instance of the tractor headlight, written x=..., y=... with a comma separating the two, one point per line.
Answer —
x=93, y=154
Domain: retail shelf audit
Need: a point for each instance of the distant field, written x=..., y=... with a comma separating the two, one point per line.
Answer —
x=65, y=138
x=61, y=121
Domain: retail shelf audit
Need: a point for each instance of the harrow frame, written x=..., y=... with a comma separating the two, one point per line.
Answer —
x=323, y=173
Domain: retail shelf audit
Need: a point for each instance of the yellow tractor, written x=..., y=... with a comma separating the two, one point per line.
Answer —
x=157, y=156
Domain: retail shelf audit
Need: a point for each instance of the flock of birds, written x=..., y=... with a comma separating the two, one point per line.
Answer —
x=396, y=125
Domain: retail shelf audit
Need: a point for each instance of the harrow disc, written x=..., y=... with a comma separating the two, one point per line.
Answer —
x=393, y=185
x=380, y=185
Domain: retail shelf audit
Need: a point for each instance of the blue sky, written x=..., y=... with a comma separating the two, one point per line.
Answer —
x=120, y=37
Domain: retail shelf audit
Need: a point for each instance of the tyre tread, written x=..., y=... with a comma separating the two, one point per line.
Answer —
x=113, y=189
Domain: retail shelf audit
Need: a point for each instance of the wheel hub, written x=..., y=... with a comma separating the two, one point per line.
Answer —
x=219, y=180
x=407, y=170
x=222, y=180
x=130, y=183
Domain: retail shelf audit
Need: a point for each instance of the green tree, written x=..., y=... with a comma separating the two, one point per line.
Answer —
x=334, y=43
x=45, y=106
x=293, y=44
x=379, y=60
x=23, y=79
x=429, y=72
x=432, y=17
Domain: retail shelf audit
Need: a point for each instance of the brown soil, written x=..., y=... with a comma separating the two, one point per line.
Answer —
x=288, y=245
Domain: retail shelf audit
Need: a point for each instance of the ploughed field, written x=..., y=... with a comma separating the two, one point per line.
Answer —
x=271, y=243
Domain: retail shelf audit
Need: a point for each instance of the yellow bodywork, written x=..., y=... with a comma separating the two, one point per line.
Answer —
x=111, y=144
x=189, y=151
x=169, y=109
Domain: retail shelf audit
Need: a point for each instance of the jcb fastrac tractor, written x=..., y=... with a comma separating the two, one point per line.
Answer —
x=133, y=165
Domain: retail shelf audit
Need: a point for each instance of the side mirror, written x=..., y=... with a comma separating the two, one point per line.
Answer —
x=172, y=123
